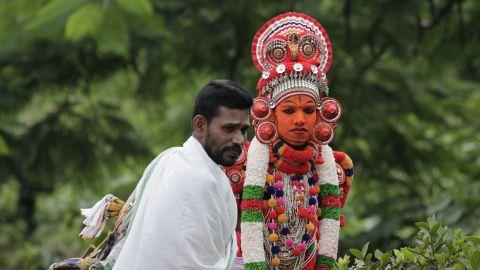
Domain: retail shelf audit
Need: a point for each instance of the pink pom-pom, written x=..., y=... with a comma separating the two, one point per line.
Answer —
x=312, y=209
x=279, y=184
x=289, y=242
x=272, y=225
x=302, y=246
x=279, y=201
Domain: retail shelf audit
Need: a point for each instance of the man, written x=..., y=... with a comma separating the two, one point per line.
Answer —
x=186, y=216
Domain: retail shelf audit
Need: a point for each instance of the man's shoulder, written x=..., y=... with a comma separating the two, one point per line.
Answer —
x=182, y=165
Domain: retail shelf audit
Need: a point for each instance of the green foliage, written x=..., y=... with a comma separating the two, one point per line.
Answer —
x=84, y=21
x=435, y=247
x=137, y=7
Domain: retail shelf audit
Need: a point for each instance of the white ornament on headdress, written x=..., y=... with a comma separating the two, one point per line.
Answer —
x=280, y=68
x=298, y=67
x=314, y=69
x=265, y=74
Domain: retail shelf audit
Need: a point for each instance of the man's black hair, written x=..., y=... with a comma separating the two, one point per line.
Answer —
x=221, y=93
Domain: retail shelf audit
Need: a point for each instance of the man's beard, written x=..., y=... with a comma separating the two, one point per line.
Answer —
x=217, y=156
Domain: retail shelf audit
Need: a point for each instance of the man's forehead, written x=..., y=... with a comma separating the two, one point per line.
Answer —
x=232, y=115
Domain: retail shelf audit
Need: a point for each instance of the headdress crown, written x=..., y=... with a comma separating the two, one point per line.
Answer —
x=293, y=52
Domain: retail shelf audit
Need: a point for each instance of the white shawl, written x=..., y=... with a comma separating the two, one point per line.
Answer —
x=186, y=216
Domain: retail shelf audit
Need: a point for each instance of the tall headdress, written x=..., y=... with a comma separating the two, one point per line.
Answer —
x=293, y=52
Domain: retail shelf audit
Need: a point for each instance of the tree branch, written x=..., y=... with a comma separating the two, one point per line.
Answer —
x=438, y=16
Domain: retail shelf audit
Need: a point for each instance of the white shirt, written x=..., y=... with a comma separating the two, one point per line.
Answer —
x=186, y=217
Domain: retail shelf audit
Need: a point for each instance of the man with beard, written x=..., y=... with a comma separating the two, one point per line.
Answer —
x=186, y=215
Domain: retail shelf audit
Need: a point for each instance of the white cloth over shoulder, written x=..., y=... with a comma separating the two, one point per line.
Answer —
x=186, y=217
x=96, y=217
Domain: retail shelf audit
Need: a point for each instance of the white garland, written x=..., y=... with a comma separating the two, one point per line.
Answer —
x=257, y=163
x=252, y=241
x=252, y=232
x=327, y=171
x=329, y=229
x=329, y=232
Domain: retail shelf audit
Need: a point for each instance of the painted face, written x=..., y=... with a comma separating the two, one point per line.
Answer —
x=225, y=135
x=296, y=117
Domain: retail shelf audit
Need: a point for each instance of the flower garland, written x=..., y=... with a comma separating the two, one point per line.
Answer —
x=330, y=217
x=252, y=216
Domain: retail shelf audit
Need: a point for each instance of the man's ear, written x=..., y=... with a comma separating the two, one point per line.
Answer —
x=199, y=125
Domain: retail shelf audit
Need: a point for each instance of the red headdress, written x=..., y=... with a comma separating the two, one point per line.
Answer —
x=293, y=52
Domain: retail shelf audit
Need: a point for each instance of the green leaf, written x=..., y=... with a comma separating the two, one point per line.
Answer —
x=112, y=36
x=137, y=7
x=396, y=252
x=357, y=253
x=458, y=233
x=53, y=10
x=475, y=260
x=434, y=229
x=365, y=249
x=378, y=254
x=443, y=232
x=368, y=258
x=408, y=254
x=4, y=149
x=385, y=258
x=473, y=239
x=84, y=22
x=342, y=263
x=422, y=225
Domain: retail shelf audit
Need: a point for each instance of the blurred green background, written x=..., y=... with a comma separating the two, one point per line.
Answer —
x=91, y=91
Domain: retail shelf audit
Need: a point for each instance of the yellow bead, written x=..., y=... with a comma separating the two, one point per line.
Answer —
x=319, y=212
x=270, y=179
x=273, y=237
x=310, y=227
x=318, y=188
x=282, y=218
x=276, y=261
x=272, y=203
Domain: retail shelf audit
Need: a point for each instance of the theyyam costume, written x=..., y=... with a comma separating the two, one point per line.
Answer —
x=295, y=185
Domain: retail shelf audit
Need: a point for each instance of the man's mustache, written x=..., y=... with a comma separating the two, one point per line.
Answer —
x=234, y=148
